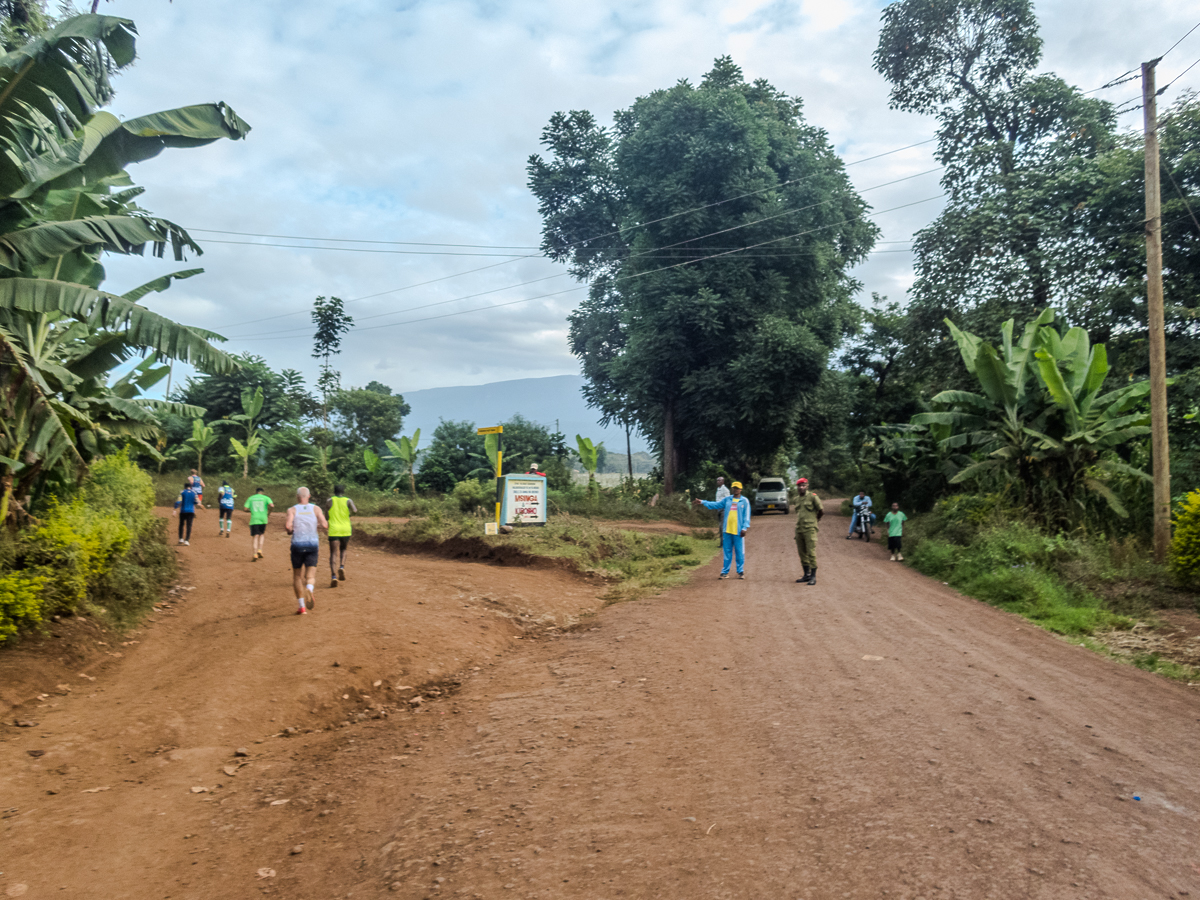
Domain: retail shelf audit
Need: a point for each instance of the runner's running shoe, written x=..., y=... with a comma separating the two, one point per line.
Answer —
x=302, y=612
x=341, y=574
x=333, y=582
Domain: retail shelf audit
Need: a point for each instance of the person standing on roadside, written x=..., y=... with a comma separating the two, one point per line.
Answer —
x=225, y=497
x=735, y=514
x=185, y=508
x=302, y=523
x=809, y=511
x=895, y=522
x=260, y=506
x=340, y=508
x=722, y=492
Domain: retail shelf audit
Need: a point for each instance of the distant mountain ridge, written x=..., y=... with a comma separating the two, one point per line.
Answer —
x=554, y=399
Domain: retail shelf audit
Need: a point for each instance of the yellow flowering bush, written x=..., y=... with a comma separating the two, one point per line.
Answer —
x=1184, y=558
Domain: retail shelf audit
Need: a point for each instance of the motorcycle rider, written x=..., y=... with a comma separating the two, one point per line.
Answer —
x=861, y=500
x=809, y=511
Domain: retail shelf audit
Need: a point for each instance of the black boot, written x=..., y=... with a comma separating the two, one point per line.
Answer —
x=805, y=578
x=812, y=576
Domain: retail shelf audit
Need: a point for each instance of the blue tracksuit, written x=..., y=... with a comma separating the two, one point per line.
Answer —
x=732, y=543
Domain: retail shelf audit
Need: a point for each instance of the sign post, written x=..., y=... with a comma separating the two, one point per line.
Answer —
x=498, y=431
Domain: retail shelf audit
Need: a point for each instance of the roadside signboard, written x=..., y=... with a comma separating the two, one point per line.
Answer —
x=491, y=429
x=524, y=500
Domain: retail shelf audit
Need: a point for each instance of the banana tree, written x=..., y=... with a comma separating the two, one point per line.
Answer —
x=65, y=199
x=1040, y=419
x=588, y=456
x=203, y=437
x=406, y=452
x=252, y=404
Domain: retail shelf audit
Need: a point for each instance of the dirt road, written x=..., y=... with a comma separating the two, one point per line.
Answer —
x=876, y=735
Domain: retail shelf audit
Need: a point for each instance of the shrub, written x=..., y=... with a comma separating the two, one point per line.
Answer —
x=1184, y=558
x=470, y=495
x=102, y=548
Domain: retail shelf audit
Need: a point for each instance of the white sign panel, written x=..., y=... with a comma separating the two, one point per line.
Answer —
x=524, y=500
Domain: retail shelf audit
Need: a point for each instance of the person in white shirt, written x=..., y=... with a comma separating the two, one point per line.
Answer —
x=302, y=523
x=722, y=491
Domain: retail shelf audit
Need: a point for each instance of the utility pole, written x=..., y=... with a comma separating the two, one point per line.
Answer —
x=1160, y=448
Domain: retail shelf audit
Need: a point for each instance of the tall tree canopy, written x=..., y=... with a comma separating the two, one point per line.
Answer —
x=1022, y=150
x=716, y=228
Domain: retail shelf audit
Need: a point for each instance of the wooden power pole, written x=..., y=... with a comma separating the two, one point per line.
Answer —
x=1160, y=448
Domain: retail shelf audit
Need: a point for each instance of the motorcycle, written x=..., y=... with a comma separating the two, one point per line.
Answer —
x=862, y=525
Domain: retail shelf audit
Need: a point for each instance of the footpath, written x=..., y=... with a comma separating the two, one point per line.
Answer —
x=877, y=735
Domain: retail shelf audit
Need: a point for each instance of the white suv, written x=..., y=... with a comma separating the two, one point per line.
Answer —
x=771, y=494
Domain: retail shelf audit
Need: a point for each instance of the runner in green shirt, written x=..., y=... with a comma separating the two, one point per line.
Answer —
x=895, y=522
x=260, y=506
x=340, y=507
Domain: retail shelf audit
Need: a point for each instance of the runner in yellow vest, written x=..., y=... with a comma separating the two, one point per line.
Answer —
x=340, y=507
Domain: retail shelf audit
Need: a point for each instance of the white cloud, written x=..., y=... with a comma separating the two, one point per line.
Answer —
x=413, y=122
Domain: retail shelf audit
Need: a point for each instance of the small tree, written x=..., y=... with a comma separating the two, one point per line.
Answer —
x=406, y=452
x=332, y=322
x=589, y=456
x=252, y=405
x=203, y=437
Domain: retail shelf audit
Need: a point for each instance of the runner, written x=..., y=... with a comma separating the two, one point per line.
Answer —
x=225, y=497
x=260, y=506
x=185, y=508
x=197, y=486
x=302, y=523
x=340, y=507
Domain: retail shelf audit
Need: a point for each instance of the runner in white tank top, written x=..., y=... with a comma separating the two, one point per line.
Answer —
x=302, y=523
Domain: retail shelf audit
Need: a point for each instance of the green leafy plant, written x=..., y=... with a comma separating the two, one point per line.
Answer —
x=252, y=404
x=1041, y=419
x=406, y=452
x=1184, y=557
x=588, y=457
x=203, y=437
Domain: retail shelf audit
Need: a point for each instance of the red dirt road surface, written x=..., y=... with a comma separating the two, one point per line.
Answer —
x=874, y=736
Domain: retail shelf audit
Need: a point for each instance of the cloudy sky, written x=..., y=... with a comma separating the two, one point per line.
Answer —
x=408, y=124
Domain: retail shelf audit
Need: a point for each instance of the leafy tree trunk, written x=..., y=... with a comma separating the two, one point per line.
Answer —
x=628, y=452
x=668, y=447
x=412, y=482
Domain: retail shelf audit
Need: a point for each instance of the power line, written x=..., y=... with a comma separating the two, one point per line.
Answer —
x=282, y=336
x=645, y=254
x=370, y=250
x=586, y=240
x=1163, y=89
x=1181, y=40
x=295, y=237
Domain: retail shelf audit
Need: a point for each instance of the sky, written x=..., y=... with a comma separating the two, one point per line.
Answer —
x=391, y=122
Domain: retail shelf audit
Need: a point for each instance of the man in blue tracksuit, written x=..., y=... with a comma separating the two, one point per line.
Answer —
x=861, y=500
x=735, y=519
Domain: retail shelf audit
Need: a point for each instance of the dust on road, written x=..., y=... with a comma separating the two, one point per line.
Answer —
x=876, y=735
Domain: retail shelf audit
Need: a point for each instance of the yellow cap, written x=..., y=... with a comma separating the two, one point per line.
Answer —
x=736, y=484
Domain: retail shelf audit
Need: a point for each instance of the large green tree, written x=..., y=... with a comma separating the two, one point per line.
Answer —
x=367, y=418
x=1020, y=150
x=716, y=227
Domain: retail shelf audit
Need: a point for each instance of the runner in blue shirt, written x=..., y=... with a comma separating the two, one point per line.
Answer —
x=225, y=497
x=185, y=508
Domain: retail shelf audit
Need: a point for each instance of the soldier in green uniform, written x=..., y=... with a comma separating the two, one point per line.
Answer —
x=808, y=513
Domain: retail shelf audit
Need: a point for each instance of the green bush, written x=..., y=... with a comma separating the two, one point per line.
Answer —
x=470, y=495
x=1184, y=558
x=673, y=546
x=102, y=550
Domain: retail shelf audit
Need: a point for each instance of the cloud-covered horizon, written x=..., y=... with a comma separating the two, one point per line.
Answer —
x=413, y=121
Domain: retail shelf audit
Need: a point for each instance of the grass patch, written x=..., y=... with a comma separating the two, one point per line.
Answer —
x=1079, y=586
x=634, y=564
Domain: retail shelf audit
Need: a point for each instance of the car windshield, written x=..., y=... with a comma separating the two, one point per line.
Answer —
x=770, y=486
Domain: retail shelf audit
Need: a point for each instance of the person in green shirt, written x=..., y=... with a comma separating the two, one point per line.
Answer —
x=809, y=511
x=260, y=506
x=340, y=507
x=895, y=522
